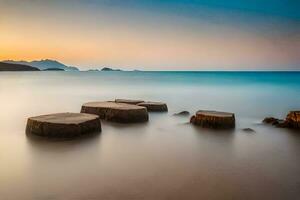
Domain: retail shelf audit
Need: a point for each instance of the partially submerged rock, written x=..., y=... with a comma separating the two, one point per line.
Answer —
x=280, y=123
x=182, y=113
x=116, y=112
x=248, y=130
x=271, y=120
x=63, y=125
x=213, y=119
x=154, y=106
x=293, y=119
x=129, y=101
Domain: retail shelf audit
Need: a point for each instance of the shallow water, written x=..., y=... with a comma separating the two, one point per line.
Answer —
x=165, y=158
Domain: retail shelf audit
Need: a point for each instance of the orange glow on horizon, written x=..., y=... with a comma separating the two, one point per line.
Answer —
x=166, y=45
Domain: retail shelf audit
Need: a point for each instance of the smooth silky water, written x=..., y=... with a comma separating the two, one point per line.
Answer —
x=166, y=158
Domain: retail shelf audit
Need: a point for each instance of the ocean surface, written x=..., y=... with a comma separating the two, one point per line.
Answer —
x=166, y=158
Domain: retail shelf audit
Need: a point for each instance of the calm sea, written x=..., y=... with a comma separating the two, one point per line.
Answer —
x=165, y=158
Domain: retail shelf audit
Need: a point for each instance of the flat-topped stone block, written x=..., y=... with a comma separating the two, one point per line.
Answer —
x=154, y=106
x=63, y=125
x=116, y=112
x=214, y=119
x=129, y=101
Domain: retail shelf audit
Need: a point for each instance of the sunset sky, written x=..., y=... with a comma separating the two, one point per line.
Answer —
x=154, y=35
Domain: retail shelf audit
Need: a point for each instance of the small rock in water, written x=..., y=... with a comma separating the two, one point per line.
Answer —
x=129, y=101
x=154, y=106
x=271, y=120
x=116, y=112
x=292, y=120
x=63, y=125
x=280, y=123
x=182, y=113
x=213, y=119
x=248, y=130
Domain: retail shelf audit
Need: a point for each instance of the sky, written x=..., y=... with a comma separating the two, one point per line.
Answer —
x=154, y=35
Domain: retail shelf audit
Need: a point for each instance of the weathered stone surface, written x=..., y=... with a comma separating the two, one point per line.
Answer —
x=116, y=112
x=63, y=125
x=213, y=119
x=129, y=101
x=182, y=113
x=293, y=119
x=154, y=106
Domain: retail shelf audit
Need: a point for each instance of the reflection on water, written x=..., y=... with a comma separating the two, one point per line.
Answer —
x=165, y=158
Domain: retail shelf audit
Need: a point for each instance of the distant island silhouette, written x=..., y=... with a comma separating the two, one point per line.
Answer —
x=109, y=69
x=53, y=69
x=16, y=67
x=48, y=65
x=44, y=64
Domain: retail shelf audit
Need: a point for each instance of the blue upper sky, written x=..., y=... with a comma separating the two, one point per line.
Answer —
x=280, y=8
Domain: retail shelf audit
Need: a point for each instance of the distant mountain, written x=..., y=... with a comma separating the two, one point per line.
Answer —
x=16, y=67
x=44, y=64
x=53, y=69
x=93, y=70
x=109, y=69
